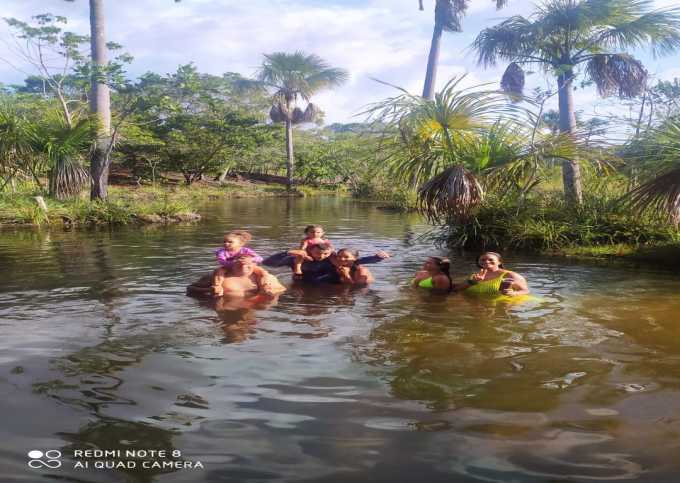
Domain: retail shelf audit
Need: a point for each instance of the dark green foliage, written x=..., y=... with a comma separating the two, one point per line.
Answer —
x=546, y=222
x=193, y=123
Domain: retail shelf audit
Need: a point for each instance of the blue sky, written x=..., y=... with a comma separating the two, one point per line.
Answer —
x=383, y=39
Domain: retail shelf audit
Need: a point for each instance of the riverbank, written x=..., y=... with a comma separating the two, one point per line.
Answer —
x=131, y=204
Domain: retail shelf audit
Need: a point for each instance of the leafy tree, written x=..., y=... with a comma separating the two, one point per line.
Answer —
x=293, y=77
x=57, y=57
x=447, y=18
x=192, y=122
x=569, y=37
x=64, y=72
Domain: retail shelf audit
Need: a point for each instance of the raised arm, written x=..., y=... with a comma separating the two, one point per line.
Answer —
x=377, y=258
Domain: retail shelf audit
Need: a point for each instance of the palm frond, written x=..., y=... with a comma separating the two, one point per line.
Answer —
x=449, y=14
x=661, y=194
x=68, y=178
x=299, y=74
x=634, y=25
x=617, y=74
x=512, y=81
x=454, y=193
x=511, y=40
x=423, y=137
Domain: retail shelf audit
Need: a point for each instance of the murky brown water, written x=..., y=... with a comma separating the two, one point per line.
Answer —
x=101, y=349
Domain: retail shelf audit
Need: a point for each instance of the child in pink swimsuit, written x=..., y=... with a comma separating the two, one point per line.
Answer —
x=313, y=236
x=234, y=247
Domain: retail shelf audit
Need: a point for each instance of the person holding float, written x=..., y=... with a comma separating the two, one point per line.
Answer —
x=494, y=279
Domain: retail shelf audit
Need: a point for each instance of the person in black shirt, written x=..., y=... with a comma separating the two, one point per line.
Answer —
x=322, y=265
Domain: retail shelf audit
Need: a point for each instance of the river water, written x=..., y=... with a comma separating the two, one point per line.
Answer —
x=101, y=349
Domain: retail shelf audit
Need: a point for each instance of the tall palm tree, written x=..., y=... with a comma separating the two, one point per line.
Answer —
x=100, y=104
x=563, y=36
x=293, y=77
x=447, y=18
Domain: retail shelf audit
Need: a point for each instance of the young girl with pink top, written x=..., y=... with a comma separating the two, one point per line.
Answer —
x=234, y=247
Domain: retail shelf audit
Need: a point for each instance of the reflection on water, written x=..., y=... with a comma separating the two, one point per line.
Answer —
x=101, y=349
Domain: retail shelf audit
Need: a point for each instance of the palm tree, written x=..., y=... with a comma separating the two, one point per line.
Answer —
x=447, y=17
x=100, y=103
x=63, y=145
x=565, y=35
x=448, y=148
x=292, y=77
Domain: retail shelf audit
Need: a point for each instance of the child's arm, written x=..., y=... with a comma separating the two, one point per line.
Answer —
x=378, y=257
x=299, y=253
x=303, y=244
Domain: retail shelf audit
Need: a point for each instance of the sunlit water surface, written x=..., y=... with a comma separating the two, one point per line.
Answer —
x=100, y=348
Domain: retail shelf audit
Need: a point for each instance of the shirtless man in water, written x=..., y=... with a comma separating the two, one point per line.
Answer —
x=244, y=280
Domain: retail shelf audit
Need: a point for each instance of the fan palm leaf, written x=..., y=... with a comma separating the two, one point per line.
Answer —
x=659, y=151
x=65, y=147
x=661, y=194
x=453, y=193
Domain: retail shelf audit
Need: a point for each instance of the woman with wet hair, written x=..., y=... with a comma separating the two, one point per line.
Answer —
x=434, y=275
x=494, y=279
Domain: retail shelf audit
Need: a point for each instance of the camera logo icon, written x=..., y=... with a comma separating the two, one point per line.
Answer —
x=44, y=459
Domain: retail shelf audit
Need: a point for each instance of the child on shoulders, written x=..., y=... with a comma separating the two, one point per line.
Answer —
x=314, y=235
x=234, y=247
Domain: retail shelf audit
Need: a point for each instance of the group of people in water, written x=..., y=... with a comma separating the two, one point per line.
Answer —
x=315, y=261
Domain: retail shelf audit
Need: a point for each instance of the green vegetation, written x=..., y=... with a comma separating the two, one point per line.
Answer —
x=125, y=205
x=488, y=167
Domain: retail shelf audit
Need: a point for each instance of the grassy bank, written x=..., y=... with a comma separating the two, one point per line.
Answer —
x=601, y=228
x=126, y=204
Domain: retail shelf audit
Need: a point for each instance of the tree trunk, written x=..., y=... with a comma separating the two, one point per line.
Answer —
x=289, y=154
x=100, y=104
x=223, y=177
x=432, y=62
x=571, y=172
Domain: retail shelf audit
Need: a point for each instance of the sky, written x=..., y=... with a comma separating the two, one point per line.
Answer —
x=387, y=40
